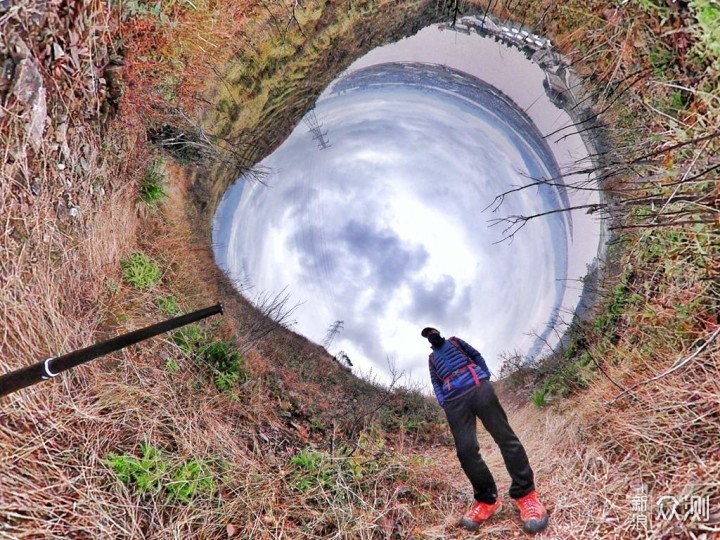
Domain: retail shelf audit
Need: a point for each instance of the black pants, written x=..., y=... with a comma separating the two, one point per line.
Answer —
x=482, y=402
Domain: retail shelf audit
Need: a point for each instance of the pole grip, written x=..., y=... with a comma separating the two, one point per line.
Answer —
x=27, y=376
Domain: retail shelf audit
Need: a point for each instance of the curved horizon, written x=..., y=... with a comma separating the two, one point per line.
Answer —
x=372, y=215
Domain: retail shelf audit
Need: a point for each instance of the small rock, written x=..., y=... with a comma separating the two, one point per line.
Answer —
x=38, y=117
x=61, y=166
x=61, y=132
x=6, y=75
x=57, y=51
x=61, y=138
x=27, y=87
x=27, y=82
x=73, y=212
x=21, y=50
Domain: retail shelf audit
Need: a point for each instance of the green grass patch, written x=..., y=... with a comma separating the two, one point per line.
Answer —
x=140, y=271
x=539, y=397
x=319, y=470
x=221, y=357
x=224, y=359
x=607, y=323
x=152, y=185
x=316, y=424
x=574, y=375
x=678, y=102
x=171, y=366
x=707, y=13
x=661, y=58
x=191, y=478
x=153, y=10
x=168, y=304
x=414, y=425
x=189, y=338
x=313, y=469
x=145, y=473
x=656, y=7
x=155, y=471
x=565, y=371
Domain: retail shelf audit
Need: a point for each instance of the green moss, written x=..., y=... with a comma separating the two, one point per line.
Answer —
x=145, y=472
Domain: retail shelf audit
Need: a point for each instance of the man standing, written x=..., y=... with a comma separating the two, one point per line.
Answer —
x=461, y=381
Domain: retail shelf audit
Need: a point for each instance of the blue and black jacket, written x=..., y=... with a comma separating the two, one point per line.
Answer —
x=455, y=368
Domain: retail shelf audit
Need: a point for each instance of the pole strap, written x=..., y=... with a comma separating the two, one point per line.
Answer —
x=49, y=374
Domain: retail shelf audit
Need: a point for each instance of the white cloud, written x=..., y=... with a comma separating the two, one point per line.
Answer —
x=384, y=229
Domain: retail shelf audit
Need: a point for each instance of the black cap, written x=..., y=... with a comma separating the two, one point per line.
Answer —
x=427, y=330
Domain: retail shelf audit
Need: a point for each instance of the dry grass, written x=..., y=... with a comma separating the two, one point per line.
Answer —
x=55, y=436
x=61, y=289
x=172, y=60
x=66, y=220
x=666, y=439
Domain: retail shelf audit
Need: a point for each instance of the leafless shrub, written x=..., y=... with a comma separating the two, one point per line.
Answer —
x=272, y=312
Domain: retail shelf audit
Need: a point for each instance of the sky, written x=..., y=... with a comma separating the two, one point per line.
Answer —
x=378, y=218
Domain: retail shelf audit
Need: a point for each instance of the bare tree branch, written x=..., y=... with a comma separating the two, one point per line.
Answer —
x=516, y=222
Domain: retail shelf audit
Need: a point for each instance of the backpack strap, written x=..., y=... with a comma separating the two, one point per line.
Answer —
x=459, y=346
x=448, y=380
x=468, y=366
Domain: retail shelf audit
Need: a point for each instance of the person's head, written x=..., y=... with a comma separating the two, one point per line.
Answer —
x=432, y=335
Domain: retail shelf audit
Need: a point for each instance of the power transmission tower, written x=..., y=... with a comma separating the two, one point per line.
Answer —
x=334, y=330
x=315, y=128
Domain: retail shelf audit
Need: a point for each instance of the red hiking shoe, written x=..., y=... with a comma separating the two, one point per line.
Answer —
x=532, y=513
x=479, y=514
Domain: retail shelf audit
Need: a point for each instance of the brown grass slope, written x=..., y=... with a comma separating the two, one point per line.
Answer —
x=277, y=455
x=71, y=215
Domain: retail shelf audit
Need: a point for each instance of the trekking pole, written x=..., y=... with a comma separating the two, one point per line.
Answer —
x=51, y=367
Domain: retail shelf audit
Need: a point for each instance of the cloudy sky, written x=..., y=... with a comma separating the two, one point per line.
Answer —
x=379, y=222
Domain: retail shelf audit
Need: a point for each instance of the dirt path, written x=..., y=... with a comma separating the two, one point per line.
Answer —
x=540, y=431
